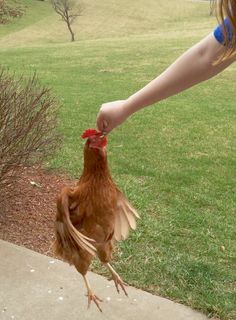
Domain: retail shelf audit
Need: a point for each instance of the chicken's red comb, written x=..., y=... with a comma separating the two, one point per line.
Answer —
x=89, y=133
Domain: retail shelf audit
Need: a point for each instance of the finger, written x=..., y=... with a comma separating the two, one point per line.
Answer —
x=102, y=125
x=99, y=122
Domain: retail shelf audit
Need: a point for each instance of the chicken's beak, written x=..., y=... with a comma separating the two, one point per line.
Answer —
x=103, y=135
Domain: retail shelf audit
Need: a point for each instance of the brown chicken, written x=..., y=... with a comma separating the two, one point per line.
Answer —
x=93, y=215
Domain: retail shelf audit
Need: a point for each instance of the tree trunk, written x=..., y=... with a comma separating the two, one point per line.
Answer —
x=72, y=36
x=71, y=32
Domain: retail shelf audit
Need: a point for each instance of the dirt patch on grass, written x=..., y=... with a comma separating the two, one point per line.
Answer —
x=27, y=218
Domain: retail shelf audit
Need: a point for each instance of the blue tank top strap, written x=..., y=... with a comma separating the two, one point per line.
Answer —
x=218, y=32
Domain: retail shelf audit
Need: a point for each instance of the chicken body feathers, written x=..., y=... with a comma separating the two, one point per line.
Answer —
x=94, y=214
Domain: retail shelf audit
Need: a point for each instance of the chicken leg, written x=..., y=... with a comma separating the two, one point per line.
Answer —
x=117, y=279
x=91, y=295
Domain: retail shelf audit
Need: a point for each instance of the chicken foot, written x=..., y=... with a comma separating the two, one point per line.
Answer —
x=91, y=295
x=117, y=279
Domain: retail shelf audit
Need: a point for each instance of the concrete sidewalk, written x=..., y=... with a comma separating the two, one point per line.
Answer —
x=37, y=287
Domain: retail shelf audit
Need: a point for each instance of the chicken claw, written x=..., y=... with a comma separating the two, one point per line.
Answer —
x=95, y=299
x=117, y=279
x=91, y=296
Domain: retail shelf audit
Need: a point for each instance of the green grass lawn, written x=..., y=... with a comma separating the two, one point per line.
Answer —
x=175, y=161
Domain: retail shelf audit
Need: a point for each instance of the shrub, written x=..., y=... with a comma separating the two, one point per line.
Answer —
x=27, y=124
x=9, y=11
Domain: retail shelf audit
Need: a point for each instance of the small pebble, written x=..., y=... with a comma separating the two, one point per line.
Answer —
x=108, y=286
x=49, y=291
x=4, y=309
x=12, y=317
x=35, y=184
x=61, y=298
x=134, y=300
x=51, y=261
x=32, y=270
x=108, y=299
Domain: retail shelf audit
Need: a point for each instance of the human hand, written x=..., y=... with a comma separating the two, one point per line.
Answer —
x=111, y=115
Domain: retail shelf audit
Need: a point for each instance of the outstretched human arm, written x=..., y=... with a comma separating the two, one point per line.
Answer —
x=194, y=66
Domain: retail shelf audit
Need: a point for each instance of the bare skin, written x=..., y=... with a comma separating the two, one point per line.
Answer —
x=194, y=66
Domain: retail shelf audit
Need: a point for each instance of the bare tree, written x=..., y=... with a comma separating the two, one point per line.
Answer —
x=69, y=10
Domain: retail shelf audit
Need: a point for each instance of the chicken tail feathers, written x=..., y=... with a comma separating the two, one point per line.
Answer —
x=67, y=236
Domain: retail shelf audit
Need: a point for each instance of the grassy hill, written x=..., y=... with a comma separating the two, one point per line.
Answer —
x=175, y=160
x=108, y=19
